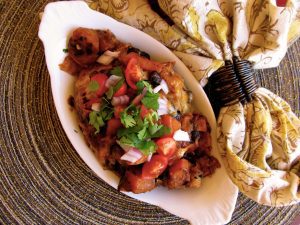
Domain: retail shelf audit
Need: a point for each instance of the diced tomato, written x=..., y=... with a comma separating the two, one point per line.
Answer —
x=144, y=63
x=137, y=184
x=166, y=146
x=112, y=126
x=154, y=167
x=281, y=3
x=170, y=122
x=133, y=73
x=118, y=109
x=101, y=79
x=144, y=111
x=122, y=90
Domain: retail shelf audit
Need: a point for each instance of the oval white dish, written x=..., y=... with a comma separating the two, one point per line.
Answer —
x=214, y=202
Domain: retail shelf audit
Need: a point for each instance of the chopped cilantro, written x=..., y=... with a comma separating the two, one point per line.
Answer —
x=128, y=116
x=143, y=133
x=126, y=141
x=146, y=147
x=65, y=50
x=127, y=120
x=117, y=71
x=142, y=84
x=93, y=85
x=118, y=85
x=154, y=128
x=97, y=119
x=114, y=89
x=150, y=99
x=138, y=132
x=161, y=132
x=110, y=92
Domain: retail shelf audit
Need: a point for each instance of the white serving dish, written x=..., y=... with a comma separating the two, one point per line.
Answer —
x=214, y=202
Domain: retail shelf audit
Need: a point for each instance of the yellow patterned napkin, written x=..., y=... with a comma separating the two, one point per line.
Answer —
x=259, y=141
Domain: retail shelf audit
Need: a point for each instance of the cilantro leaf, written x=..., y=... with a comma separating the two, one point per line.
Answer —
x=151, y=101
x=118, y=85
x=129, y=116
x=65, y=50
x=142, y=84
x=130, y=130
x=93, y=85
x=161, y=132
x=154, y=128
x=146, y=147
x=127, y=120
x=152, y=118
x=126, y=141
x=97, y=119
x=117, y=71
x=143, y=133
x=110, y=92
x=113, y=89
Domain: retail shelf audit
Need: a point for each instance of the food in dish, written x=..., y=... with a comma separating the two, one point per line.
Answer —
x=136, y=114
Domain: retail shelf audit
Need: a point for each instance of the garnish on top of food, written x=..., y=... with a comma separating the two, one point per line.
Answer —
x=136, y=114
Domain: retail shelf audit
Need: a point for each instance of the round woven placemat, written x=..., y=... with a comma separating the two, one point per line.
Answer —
x=43, y=180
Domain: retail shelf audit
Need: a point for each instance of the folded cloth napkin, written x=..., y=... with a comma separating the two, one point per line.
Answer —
x=259, y=140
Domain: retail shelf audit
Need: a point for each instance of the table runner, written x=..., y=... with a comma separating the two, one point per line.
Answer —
x=43, y=179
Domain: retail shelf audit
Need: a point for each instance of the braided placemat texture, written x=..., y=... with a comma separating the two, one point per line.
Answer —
x=43, y=180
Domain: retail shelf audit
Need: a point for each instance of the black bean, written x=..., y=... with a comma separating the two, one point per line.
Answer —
x=190, y=157
x=119, y=168
x=133, y=49
x=78, y=52
x=145, y=55
x=89, y=48
x=71, y=101
x=164, y=175
x=195, y=135
x=178, y=116
x=198, y=153
x=138, y=51
x=155, y=78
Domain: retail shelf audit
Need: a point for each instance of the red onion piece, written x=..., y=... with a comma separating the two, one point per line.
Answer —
x=105, y=59
x=126, y=148
x=157, y=89
x=121, y=100
x=149, y=157
x=164, y=86
x=96, y=106
x=112, y=54
x=112, y=81
x=162, y=106
x=181, y=135
x=133, y=155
